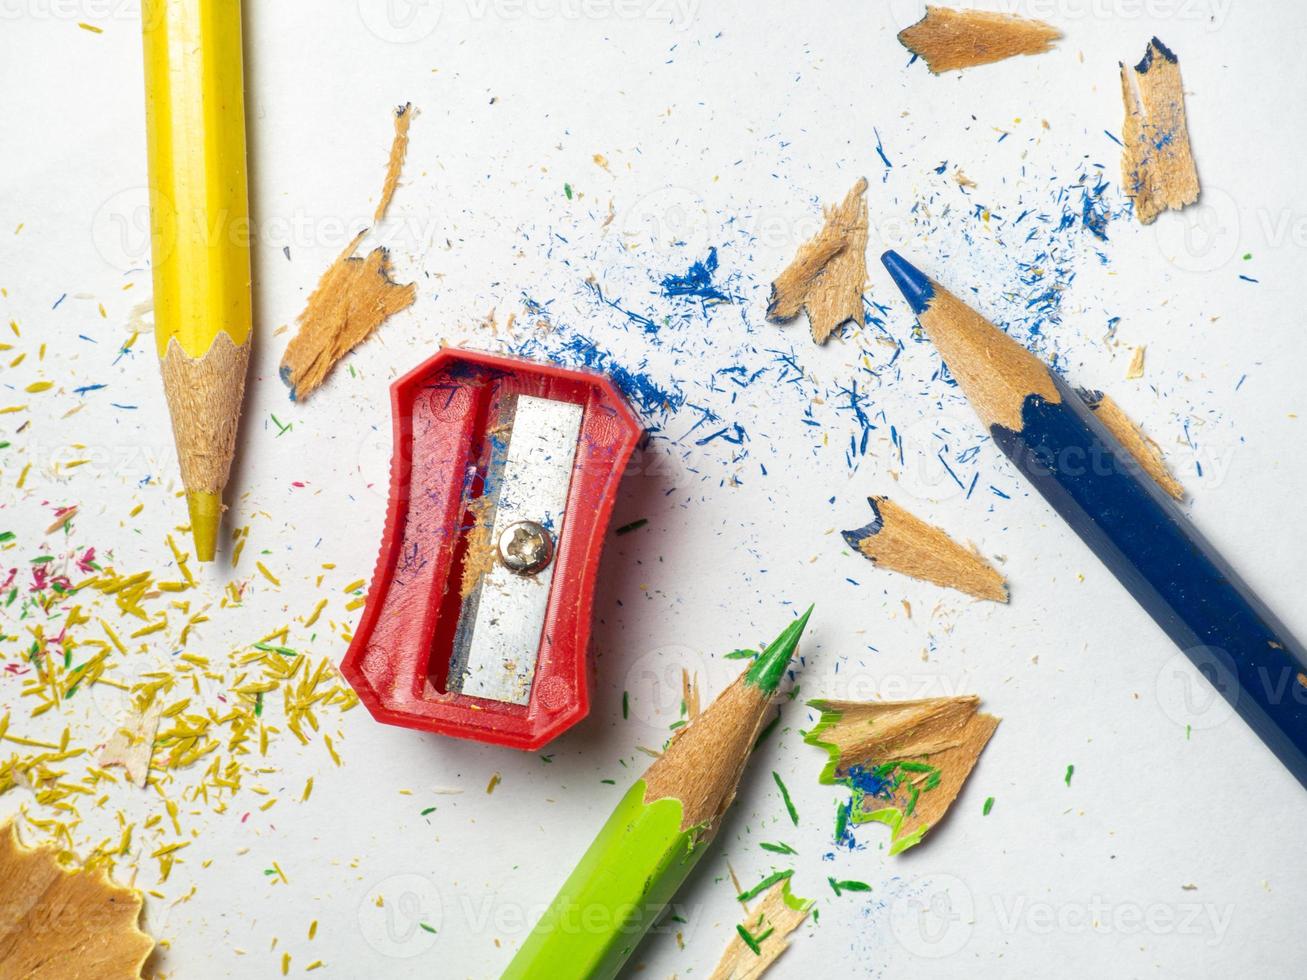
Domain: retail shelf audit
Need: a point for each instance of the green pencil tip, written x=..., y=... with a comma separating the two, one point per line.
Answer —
x=769, y=668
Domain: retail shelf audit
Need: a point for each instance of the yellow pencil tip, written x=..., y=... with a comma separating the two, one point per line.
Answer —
x=206, y=518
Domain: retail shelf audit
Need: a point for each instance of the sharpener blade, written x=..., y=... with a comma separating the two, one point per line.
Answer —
x=499, y=631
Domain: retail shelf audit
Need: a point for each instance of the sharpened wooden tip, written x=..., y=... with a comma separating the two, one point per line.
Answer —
x=704, y=760
x=901, y=542
x=995, y=372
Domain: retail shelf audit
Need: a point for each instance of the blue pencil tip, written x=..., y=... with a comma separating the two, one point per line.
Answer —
x=916, y=288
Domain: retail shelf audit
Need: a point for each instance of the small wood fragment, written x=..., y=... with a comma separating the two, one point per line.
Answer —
x=132, y=743
x=398, y=151
x=65, y=922
x=769, y=926
x=1157, y=164
x=905, y=761
x=1136, y=368
x=354, y=296
x=949, y=40
x=897, y=540
x=828, y=273
x=1147, y=453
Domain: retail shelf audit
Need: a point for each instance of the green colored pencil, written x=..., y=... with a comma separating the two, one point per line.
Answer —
x=656, y=835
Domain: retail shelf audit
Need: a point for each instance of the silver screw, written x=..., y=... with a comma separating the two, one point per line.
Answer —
x=526, y=548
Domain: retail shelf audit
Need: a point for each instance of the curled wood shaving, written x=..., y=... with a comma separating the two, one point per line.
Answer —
x=949, y=40
x=905, y=761
x=353, y=297
x=897, y=540
x=65, y=923
x=1157, y=165
x=829, y=271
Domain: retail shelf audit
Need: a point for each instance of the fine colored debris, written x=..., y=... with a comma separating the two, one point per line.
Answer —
x=398, y=150
x=905, y=761
x=897, y=540
x=1157, y=165
x=354, y=296
x=949, y=40
x=1147, y=453
x=763, y=935
x=62, y=921
x=132, y=743
x=829, y=271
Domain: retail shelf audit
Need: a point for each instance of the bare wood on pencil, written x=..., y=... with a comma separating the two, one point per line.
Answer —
x=1146, y=452
x=947, y=733
x=994, y=371
x=1157, y=164
x=703, y=764
x=952, y=39
x=398, y=150
x=63, y=922
x=776, y=914
x=204, y=398
x=902, y=542
x=828, y=273
x=353, y=298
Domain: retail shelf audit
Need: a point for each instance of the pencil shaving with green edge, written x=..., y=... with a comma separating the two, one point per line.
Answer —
x=904, y=761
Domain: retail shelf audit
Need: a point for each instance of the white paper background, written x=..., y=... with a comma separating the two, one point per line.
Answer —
x=711, y=116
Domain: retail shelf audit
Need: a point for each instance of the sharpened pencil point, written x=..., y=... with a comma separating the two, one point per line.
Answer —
x=206, y=518
x=916, y=288
x=769, y=668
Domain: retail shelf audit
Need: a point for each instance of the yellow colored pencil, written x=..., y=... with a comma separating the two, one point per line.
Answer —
x=199, y=225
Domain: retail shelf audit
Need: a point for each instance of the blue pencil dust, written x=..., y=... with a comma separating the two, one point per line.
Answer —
x=697, y=282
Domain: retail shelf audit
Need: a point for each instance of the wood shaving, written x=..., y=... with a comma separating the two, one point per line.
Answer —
x=769, y=926
x=949, y=40
x=905, y=761
x=132, y=743
x=1157, y=164
x=828, y=274
x=354, y=296
x=901, y=542
x=65, y=923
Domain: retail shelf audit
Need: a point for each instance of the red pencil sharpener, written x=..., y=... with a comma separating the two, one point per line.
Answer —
x=503, y=478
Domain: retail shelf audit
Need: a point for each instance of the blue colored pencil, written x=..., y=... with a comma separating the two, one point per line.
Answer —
x=1119, y=511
